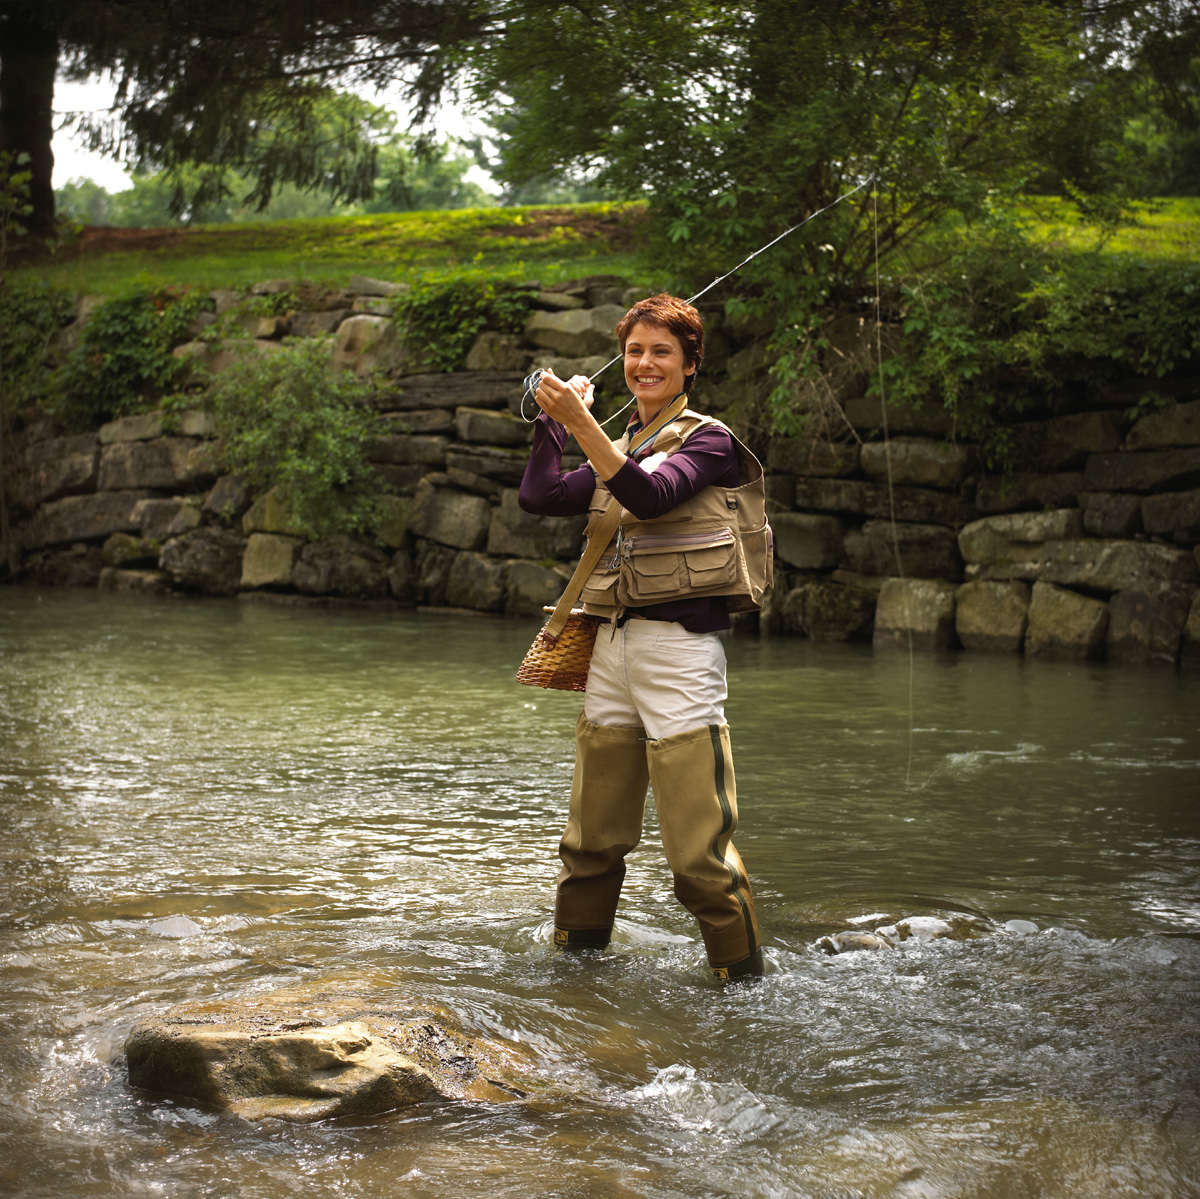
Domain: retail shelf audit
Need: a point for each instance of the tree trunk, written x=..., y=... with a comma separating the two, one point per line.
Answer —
x=28, y=63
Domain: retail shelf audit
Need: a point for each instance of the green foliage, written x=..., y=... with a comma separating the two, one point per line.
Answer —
x=992, y=315
x=31, y=312
x=1093, y=318
x=124, y=359
x=412, y=178
x=15, y=206
x=446, y=315
x=289, y=419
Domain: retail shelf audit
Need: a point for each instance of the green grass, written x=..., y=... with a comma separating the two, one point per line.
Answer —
x=1165, y=230
x=549, y=243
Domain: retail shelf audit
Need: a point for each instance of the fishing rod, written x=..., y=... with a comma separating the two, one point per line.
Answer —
x=533, y=380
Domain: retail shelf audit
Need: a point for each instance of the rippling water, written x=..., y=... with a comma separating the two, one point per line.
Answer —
x=221, y=799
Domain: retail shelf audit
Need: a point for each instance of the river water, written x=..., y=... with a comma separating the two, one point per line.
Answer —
x=365, y=800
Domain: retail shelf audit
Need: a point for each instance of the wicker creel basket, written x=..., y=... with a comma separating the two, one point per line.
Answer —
x=561, y=663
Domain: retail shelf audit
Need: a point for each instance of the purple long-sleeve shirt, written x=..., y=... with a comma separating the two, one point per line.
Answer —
x=707, y=458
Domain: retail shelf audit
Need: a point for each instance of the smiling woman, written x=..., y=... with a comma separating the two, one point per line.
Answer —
x=692, y=545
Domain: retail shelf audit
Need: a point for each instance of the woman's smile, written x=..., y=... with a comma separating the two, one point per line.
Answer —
x=655, y=370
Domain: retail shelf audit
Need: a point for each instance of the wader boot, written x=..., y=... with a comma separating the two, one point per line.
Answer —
x=608, y=802
x=692, y=776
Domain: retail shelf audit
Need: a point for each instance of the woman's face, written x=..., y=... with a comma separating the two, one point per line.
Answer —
x=654, y=366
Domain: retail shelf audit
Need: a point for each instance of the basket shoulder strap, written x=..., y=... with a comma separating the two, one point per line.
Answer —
x=603, y=533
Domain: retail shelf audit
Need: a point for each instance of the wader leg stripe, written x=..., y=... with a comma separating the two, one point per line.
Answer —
x=714, y=732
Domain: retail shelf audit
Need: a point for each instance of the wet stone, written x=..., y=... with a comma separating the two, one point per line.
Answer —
x=433, y=562
x=491, y=428
x=808, y=541
x=342, y=566
x=1146, y=627
x=532, y=586
x=826, y=611
x=813, y=457
x=124, y=549
x=992, y=615
x=134, y=582
x=85, y=517
x=79, y=566
x=289, y=1066
x=476, y=581
x=1064, y=442
x=926, y=551
x=268, y=560
x=402, y=578
x=1064, y=624
x=1017, y=536
x=207, y=560
x=916, y=610
x=1189, y=654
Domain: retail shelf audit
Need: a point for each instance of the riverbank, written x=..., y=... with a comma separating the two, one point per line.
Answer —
x=888, y=528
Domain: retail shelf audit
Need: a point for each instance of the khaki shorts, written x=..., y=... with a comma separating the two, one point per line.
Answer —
x=656, y=674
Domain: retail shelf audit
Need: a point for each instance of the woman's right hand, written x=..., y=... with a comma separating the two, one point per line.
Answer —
x=566, y=401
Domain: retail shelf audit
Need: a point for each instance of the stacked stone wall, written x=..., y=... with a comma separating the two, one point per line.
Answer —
x=1088, y=546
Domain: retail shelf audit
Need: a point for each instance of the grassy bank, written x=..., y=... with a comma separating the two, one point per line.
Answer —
x=547, y=243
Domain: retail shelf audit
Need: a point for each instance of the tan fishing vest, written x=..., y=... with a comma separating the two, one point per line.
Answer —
x=716, y=543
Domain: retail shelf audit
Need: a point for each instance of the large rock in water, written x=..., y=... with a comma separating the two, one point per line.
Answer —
x=992, y=616
x=271, y=1060
x=920, y=609
x=208, y=560
x=1063, y=624
x=1146, y=626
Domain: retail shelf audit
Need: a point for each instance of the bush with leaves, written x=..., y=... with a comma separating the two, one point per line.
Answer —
x=124, y=362
x=32, y=310
x=442, y=317
x=993, y=323
x=289, y=419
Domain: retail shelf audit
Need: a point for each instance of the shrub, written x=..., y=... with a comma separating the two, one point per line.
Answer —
x=124, y=363
x=445, y=316
x=31, y=312
x=288, y=418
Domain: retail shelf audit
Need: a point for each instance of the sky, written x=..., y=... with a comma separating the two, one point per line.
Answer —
x=72, y=159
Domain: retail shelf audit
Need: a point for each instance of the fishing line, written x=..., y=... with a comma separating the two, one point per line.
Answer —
x=532, y=381
x=887, y=459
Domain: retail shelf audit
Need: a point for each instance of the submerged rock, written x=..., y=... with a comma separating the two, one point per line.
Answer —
x=263, y=1061
x=914, y=928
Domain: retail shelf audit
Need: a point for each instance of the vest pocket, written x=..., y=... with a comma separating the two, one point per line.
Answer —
x=601, y=588
x=649, y=577
x=714, y=565
x=657, y=567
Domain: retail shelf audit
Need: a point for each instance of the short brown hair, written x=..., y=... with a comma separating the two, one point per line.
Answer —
x=677, y=317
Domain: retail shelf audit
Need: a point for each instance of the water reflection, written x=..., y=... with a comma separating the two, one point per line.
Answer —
x=205, y=799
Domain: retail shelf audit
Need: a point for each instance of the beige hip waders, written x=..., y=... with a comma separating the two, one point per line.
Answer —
x=694, y=791
x=696, y=798
x=608, y=802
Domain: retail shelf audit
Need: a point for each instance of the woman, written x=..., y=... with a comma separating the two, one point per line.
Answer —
x=692, y=546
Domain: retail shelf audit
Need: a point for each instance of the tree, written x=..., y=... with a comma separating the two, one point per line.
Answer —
x=739, y=119
x=222, y=83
